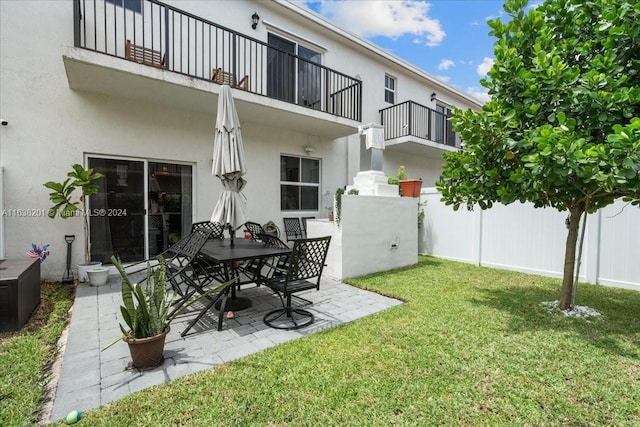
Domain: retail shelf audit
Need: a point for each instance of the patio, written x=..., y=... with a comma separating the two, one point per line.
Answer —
x=89, y=378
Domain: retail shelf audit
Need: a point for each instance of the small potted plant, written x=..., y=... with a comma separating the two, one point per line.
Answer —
x=408, y=187
x=145, y=312
x=66, y=207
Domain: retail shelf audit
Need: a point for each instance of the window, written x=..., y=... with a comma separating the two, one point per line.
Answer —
x=299, y=183
x=389, y=89
x=135, y=5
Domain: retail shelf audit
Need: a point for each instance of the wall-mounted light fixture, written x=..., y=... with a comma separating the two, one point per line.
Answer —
x=433, y=96
x=255, y=18
x=309, y=150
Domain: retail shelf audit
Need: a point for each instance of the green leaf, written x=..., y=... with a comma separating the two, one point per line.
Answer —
x=628, y=173
x=561, y=117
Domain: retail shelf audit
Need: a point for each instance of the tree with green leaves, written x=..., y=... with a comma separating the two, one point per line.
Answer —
x=562, y=128
x=62, y=198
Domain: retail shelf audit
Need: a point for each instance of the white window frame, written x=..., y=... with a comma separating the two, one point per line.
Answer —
x=391, y=91
x=300, y=183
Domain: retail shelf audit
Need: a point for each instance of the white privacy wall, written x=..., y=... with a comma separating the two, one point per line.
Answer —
x=619, y=248
x=375, y=234
x=523, y=238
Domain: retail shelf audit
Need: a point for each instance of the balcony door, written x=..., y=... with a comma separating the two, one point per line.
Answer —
x=443, y=127
x=281, y=69
x=309, y=78
x=293, y=73
x=142, y=207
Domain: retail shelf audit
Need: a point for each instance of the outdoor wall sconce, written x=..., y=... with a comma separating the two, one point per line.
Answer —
x=255, y=18
x=309, y=150
x=433, y=96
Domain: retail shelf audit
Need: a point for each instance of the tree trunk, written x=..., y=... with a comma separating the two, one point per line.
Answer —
x=566, y=292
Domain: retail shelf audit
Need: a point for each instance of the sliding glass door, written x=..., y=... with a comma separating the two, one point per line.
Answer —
x=309, y=78
x=169, y=213
x=141, y=208
x=291, y=79
x=280, y=69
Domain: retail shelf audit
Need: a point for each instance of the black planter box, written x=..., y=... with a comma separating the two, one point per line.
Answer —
x=19, y=291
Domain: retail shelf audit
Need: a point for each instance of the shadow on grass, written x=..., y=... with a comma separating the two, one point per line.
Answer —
x=370, y=281
x=426, y=260
x=423, y=261
x=616, y=331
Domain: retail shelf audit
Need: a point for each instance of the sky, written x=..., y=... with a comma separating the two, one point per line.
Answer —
x=448, y=39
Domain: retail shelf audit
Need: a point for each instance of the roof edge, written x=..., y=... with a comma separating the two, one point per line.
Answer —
x=372, y=47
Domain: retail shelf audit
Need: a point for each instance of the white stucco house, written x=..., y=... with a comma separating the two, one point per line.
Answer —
x=130, y=88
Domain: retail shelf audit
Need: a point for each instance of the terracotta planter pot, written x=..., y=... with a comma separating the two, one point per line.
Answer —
x=147, y=352
x=411, y=187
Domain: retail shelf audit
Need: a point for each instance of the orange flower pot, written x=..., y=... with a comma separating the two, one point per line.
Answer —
x=410, y=187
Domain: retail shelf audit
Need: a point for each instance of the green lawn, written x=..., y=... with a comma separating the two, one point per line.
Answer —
x=26, y=355
x=471, y=346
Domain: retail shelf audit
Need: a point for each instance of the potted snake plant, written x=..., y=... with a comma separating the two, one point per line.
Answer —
x=145, y=312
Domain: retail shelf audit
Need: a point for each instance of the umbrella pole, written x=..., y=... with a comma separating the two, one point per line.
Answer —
x=231, y=235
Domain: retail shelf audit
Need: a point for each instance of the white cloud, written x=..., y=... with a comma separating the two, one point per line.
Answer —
x=481, y=95
x=445, y=64
x=387, y=18
x=484, y=67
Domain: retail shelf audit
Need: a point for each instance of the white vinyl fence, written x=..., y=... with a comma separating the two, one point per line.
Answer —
x=523, y=238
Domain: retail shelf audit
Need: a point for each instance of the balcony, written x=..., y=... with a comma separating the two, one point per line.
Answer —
x=154, y=52
x=415, y=129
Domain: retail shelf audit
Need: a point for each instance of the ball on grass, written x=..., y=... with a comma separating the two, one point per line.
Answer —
x=73, y=417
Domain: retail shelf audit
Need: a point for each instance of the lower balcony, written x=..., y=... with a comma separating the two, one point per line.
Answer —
x=415, y=129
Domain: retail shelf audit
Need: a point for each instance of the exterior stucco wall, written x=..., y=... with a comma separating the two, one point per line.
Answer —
x=375, y=234
x=52, y=126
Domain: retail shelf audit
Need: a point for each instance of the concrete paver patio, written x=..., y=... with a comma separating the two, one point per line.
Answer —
x=90, y=377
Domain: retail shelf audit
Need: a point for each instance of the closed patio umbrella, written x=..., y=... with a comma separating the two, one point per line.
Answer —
x=229, y=165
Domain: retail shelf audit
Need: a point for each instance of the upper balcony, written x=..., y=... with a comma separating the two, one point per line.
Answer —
x=416, y=129
x=151, y=51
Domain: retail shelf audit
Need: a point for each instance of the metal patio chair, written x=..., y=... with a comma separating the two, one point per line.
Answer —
x=303, y=272
x=185, y=274
x=204, y=268
x=292, y=229
x=263, y=269
x=216, y=228
x=254, y=229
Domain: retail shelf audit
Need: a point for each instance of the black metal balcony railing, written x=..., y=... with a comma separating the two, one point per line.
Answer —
x=412, y=119
x=196, y=47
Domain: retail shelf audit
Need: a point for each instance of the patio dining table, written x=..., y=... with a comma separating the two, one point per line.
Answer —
x=220, y=251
